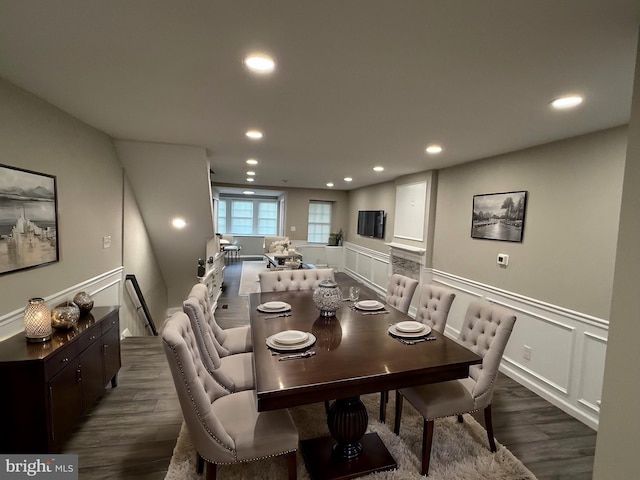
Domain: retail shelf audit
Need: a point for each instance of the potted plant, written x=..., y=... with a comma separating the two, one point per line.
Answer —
x=335, y=239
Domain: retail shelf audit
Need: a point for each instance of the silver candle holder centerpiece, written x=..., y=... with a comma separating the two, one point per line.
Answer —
x=327, y=298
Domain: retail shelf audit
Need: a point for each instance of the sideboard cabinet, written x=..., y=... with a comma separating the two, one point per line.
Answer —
x=47, y=387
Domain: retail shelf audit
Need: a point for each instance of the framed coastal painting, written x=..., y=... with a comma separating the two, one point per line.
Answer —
x=28, y=219
x=499, y=216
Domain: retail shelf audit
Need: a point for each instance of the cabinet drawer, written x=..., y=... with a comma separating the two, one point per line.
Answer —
x=90, y=336
x=109, y=321
x=61, y=358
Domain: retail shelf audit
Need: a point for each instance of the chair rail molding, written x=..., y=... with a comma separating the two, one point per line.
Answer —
x=105, y=289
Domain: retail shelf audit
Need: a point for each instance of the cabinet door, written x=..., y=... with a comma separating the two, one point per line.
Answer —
x=91, y=370
x=65, y=401
x=111, y=353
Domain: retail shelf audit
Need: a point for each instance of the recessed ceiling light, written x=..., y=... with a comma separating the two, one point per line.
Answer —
x=248, y=192
x=254, y=134
x=260, y=63
x=250, y=173
x=250, y=179
x=348, y=179
x=252, y=161
x=178, y=223
x=432, y=149
x=569, y=101
x=330, y=184
x=378, y=169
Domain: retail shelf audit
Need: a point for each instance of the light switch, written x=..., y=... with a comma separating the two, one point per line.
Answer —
x=106, y=241
x=293, y=229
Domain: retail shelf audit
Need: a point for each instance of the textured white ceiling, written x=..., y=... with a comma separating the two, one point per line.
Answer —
x=358, y=82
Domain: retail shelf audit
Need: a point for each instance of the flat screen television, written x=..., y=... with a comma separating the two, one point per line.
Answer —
x=371, y=223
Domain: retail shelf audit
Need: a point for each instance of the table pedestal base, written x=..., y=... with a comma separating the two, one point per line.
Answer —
x=323, y=463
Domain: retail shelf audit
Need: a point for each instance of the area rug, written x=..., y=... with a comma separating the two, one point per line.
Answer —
x=460, y=450
x=249, y=277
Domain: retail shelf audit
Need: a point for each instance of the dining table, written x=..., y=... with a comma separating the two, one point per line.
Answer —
x=349, y=354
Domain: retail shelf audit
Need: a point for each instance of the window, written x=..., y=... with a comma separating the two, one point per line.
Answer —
x=222, y=216
x=242, y=216
x=319, y=222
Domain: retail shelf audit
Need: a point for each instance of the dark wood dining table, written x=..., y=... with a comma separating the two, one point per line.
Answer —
x=354, y=355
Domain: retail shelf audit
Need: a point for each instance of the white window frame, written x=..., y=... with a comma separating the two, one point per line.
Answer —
x=226, y=202
x=328, y=207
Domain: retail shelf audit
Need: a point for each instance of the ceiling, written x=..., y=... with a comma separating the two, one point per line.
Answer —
x=358, y=83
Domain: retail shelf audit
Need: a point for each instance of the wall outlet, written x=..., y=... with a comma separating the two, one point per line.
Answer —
x=503, y=259
x=106, y=241
x=527, y=352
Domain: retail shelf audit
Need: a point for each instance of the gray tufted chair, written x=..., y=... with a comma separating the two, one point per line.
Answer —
x=485, y=330
x=400, y=292
x=434, y=304
x=433, y=310
x=233, y=372
x=303, y=279
x=229, y=341
x=224, y=427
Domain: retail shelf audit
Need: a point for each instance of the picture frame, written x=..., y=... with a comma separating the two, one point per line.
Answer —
x=499, y=216
x=28, y=219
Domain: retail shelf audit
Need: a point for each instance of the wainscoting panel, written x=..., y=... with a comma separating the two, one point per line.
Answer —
x=105, y=289
x=593, y=356
x=564, y=361
x=368, y=266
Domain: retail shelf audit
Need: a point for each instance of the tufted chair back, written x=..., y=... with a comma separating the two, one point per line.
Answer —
x=301, y=279
x=197, y=390
x=485, y=330
x=200, y=293
x=206, y=342
x=434, y=305
x=400, y=292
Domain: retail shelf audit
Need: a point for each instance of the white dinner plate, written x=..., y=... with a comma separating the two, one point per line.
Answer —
x=290, y=337
x=397, y=333
x=271, y=343
x=410, y=327
x=369, y=305
x=274, y=307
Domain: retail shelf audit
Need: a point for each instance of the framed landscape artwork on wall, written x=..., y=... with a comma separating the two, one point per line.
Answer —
x=28, y=219
x=499, y=216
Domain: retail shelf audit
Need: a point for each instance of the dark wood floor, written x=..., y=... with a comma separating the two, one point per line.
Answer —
x=131, y=432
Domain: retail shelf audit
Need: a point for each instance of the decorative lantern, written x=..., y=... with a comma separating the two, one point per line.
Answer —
x=37, y=321
x=327, y=298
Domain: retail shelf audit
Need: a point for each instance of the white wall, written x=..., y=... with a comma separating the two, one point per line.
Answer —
x=559, y=279
x=619, y=434
x=567, y=254
x=139, y=259
x=36, y=136
x=170, y=181
x=93, y=202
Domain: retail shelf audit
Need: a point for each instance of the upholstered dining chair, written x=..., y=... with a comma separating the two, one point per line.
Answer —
x=434, y=304
x=233, y=372
x=400, y=292
x=485, y=330
x=230, y=340
x=225, y=428
x=301, y=279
